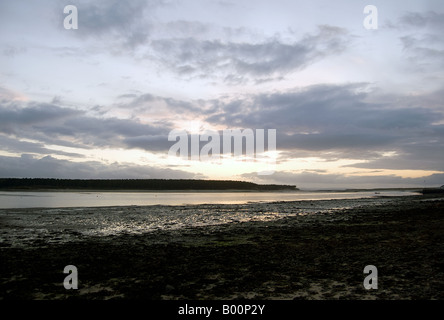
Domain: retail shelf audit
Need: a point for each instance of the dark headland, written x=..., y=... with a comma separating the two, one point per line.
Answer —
x=32, y=184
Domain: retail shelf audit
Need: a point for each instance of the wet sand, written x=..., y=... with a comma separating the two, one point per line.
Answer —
x=315, y=257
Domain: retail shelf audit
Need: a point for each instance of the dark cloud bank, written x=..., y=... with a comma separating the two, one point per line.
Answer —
x=326, y=121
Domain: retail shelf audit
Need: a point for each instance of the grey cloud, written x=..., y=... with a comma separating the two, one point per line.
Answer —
x=423, y=58
x=13, y=116
x=127, y=96
x=314, y=180
x=16, y=146
x=328, y=121
x=149, y=142
x=424, y=156
x=337, y=121
x=430, y=19
x=52, y=124
x=149, y=102
x=108, y=127
x=422, y=40
x=322, y=108
x=336, y=141
x=266, y=58
x=122, y=22
x=192, y=48
x=111, y=132
x=28, y=166
x=105, y=16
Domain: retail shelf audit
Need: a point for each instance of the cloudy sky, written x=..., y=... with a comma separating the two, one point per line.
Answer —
x=352, y=107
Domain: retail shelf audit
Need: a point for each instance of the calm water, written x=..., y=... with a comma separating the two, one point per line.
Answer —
x=41, y=218
x=103, y=199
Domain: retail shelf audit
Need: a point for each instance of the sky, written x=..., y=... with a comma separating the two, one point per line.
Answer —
x=352, y=106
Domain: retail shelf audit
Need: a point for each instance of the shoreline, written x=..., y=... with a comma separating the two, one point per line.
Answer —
x=283, y=190
x=316, y=257
x=173, y=202
x=149, y=191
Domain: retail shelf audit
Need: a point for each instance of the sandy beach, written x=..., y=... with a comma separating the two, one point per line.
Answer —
x=314, y=257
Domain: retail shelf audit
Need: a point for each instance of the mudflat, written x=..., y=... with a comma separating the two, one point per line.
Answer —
x=314, y=257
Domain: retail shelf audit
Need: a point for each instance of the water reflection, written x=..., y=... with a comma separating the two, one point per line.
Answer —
x=102, y=199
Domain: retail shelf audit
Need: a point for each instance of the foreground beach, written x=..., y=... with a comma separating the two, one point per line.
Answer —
x=317, y=256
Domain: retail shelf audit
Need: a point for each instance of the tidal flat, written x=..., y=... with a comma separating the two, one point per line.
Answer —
x=315, y=256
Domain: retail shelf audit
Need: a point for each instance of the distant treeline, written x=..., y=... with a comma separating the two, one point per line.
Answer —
x=136, y=184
